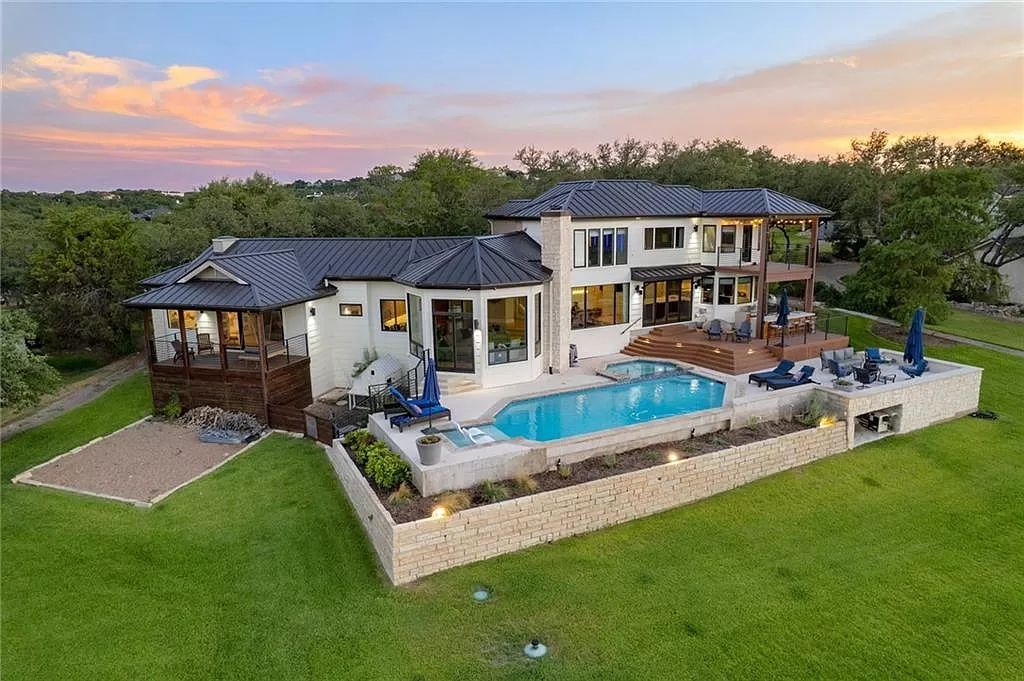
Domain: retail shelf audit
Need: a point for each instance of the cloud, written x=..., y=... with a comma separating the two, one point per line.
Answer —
x=957, y=75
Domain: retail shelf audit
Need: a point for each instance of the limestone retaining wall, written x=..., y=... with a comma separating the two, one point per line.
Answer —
x=416, y=549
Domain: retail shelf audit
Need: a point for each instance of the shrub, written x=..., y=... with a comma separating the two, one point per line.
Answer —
x=491, y=492
x=816, y=408
x=172, y=410
x=454, y=501
x=564, y=471
x=609, y=461
x=403, y=495
x=526, y=484
x=384, y=468
x=357, y=442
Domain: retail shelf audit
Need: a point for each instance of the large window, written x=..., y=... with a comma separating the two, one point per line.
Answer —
x=191, y=320
x=728, y=238
x=744, y=290
x=350, y=309
x=415, y=309
x=667, y=302
x=273, y=325
x=707, y=289
x=710, y=239
x=579, y=248
x=538, y=325
x=657, y=238
x=392, y=315
x=506, y=330
x=601, y=305
x=600, y=247
x=726, y=290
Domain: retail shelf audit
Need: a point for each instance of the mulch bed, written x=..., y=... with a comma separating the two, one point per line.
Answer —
x=599, y=467
x=898, y=335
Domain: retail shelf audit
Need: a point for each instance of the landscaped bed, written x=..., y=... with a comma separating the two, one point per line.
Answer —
x=405, y=504
x=140, y=463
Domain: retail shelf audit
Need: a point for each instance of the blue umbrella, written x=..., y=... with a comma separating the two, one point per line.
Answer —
x=431, y=388
x=783, y=319
x=913, y=351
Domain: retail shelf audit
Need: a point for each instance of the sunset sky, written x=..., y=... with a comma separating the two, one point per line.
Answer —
x=171, y=96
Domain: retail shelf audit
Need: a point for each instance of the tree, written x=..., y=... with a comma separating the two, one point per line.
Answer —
x=25, y=377
x=92, y=261
x=896, y=278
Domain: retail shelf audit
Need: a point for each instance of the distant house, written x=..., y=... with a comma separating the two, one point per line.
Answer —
x=263, y=325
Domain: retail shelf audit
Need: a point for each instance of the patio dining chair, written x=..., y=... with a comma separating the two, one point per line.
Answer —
x=205, y=344
x=179, y=351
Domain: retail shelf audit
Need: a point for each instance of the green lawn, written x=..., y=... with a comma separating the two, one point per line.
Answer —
x=984, y=328
x=902, y=559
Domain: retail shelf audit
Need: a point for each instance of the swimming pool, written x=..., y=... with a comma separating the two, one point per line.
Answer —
x=641, y=368
x=579, y=412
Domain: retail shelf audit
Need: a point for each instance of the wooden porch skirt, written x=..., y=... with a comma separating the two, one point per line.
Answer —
x=288, y=390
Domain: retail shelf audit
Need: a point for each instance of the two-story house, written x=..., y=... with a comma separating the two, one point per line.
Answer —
x=264, y=325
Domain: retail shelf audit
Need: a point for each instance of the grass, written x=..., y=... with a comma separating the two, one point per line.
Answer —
x=898, y=560
x=984, y=328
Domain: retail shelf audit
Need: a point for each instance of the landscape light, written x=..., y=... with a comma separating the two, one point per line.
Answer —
x=439, y=512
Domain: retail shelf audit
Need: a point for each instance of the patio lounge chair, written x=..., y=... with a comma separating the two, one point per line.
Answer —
x=179, y=352
x=714, y=330
x=874, y=355
x=840, y=370
x=743, y=332
x=916, y=370
x=781, y=371
x=802, y=377
x=205, y=344
x=414, y=413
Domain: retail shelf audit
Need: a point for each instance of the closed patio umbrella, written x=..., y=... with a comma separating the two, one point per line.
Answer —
x=782, y=321
x=431, y=388
x=913, y=351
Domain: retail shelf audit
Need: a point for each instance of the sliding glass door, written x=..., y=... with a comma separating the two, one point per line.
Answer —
x=668, y=302
x=453, y=334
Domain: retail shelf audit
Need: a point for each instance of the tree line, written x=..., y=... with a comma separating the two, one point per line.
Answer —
x=911, y=209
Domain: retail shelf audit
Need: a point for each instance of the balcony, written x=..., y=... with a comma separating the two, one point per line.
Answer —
x=784, y=264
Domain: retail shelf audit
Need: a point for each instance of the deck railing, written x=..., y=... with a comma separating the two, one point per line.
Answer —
x=830, y=324
x=202, y=352
x=794, y=256
x=379, y=397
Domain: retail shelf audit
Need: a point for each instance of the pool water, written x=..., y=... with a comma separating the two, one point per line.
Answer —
x=641, y=368
x=579, y=412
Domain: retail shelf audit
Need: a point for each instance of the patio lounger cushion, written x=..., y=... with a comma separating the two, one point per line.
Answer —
x=827, y=356
x=802, y=377
x=403, y=420
x=780, y=371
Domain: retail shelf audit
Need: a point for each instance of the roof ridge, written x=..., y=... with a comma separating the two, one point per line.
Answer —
x=495, y=251
x=220, y=256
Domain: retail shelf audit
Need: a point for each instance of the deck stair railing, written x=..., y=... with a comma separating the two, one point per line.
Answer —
x=379, y=395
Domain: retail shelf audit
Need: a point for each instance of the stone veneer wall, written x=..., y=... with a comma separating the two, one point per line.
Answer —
x=556, y=255
x=413, y=550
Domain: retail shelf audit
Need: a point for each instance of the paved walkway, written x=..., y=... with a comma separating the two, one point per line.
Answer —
x=938, y=334
x=76, y=395
x=833, y=272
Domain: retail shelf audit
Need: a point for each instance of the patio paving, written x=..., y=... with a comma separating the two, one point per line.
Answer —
x=139, y=464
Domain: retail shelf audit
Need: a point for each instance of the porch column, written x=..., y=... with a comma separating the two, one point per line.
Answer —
x=812, y=257
x=263, y=362
x=147, y=336
x=221, y=340
x=184, y=339
x=762, y=279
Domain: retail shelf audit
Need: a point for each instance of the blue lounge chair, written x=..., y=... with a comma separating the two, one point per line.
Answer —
x=781, y=371
x=802, y=377
x=743, y=332
x=414, y=413
x=714, y=330
x=916, y=370
x=874, y=355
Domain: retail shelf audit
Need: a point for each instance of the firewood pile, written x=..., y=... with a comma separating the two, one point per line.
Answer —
x=204, y=418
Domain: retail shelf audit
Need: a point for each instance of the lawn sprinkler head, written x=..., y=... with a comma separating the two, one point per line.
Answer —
x=535, y=649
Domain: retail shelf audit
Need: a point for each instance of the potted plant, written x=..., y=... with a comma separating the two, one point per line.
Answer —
x=429, y=447
x=844, y=384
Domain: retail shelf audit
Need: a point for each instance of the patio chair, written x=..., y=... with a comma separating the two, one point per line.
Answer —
x=744, y=332
x=916, y=370
x=874, y=355
x=714, y=330
x=802, y=377
x=840, y=370
x=204, y=344
x=414, y=413
x=781, y=371
x=866, y=375
x=179, y=352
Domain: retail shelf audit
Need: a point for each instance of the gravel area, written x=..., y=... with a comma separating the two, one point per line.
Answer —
x=139, y=463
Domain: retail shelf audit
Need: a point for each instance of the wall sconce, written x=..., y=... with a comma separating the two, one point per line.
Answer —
x=638, y=290
x=695, y=229
x=312, y=311
x=476, y=324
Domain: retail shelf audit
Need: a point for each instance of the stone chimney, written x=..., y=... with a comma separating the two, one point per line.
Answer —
x=222, y=243
x=556, y=255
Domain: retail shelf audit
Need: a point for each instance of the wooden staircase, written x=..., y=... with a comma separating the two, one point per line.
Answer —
x=687, y=345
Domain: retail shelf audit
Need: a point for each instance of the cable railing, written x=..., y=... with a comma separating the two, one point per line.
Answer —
x=201, y=351
x=813, y=327
x=379, y=396
x=794, y=256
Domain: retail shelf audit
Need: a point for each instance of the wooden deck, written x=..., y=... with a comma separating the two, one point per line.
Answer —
x=692, y=346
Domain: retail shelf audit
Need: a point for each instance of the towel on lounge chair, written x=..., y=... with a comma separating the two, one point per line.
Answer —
x=781, y=371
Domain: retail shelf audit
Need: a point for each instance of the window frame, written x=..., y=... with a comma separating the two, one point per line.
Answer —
x=499, y=356
x=415, y=346
x=620, y=305
x=579, y=247
x=395, y=315
x=621, y=239
x=750, y=282
x=704, y=239
x=538, y=321
x=343, y=306
x=718, y=291
x=728, y=229
x=189, y=314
